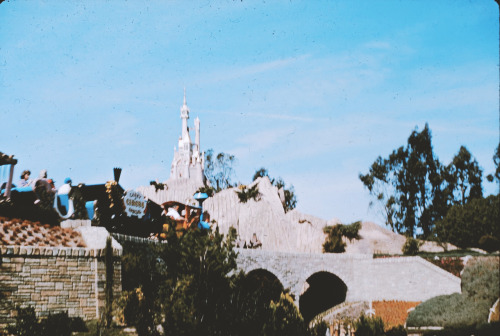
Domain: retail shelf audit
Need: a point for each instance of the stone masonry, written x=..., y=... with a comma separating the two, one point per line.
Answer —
x=366, y=278
x=55, y=279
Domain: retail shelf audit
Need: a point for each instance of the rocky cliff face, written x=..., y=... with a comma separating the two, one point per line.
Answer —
x=266, y=218
x=180, y=190
x=277, y=230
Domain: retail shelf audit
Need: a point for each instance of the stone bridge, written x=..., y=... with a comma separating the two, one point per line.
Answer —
x=319, y=281
x=350, y=277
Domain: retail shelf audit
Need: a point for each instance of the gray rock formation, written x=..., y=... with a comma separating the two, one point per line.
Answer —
x=293, y=231
x=180, y=190
x=278, y=231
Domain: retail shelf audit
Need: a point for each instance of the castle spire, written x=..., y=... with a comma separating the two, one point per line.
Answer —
x=184, y=117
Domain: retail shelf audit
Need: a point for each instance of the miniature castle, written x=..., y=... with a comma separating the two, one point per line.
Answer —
x=188, y=161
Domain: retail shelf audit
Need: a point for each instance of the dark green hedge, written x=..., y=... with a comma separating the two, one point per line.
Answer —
x=480, y=289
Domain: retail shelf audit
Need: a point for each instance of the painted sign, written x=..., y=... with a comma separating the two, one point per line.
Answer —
x=135, y=203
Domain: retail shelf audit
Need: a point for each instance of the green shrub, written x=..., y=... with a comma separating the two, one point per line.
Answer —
x=411, y=246
x=454, y=265
x=465, y=225
x=489, y=243
x=350, y=231
x=396, y=331
x=333, y=242
x=369, y=326
x=285, y=318
x=318, y=329
x=210, y=191
x=488, y=329
x=26, y=323
x=58, y=324
x=480, y=281
x=245, y=194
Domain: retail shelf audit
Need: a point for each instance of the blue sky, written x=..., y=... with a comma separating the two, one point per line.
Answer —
x=312, y=90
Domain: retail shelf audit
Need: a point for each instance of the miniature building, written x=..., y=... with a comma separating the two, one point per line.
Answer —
x=188, y=161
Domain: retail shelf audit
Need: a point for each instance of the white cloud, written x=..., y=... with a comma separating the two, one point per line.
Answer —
x=251, y=144
x=231, y=73
x=376, y=44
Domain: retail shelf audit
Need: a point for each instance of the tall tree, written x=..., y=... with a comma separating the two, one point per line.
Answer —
x=261, y=173
x=496, y=160
x=407, y=184
x=219, y=169
x=465, y=225
x=463, y=175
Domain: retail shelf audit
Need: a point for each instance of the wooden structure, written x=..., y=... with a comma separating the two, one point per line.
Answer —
x=8, y=160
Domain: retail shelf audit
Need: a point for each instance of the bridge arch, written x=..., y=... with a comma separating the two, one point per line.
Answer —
x=255, y=267
x=265, y=282
x=322, y=290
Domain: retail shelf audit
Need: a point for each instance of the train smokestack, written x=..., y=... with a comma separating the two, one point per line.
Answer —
x=117, y=172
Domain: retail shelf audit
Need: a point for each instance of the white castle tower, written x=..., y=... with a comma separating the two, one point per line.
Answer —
x=188, y=160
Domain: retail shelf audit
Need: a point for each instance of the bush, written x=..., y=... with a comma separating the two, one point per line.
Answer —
x=350, y=231
x=465, y=225
x=245, y=194
x=369, y=326
x=285, y=318
x=454, y=265
x=333, y=242
x=396, y=331
x=488, y=329
x=489, y=243
x=26, y=323
x=411, y=246
x=319, y=328
x=480, y=281
x=58, y=324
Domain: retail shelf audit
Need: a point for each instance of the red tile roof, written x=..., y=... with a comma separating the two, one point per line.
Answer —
x=18, y=232
x=393, y=313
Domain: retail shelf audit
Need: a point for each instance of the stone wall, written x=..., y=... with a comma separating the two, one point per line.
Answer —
x=55, y=279
x=367, y=279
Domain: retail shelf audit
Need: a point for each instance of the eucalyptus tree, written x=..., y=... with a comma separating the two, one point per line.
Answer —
x=407, y=183
x=463, y=176
x=219, y=169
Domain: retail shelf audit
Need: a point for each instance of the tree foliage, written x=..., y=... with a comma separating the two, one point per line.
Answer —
x=415, y=190
x=285, y=318
x=219, y=169
x=334, y=241
x=369, y=326
x=190, y=285
x=411, y=246
x=463, y=176
x=465, y=225
x=59, y=324
x=245, y=194
x=496, y=161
